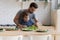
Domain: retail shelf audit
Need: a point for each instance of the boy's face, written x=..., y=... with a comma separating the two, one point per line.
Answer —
x=26, y=18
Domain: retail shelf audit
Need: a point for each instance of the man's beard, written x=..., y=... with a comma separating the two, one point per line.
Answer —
x=30, y=11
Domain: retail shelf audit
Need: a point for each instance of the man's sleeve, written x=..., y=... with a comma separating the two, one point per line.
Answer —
x=19, y=12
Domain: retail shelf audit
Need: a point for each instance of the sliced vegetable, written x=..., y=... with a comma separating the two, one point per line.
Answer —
x=30, y=28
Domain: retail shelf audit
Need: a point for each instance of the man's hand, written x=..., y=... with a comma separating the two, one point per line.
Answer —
x=20, y=26
x=36, y=24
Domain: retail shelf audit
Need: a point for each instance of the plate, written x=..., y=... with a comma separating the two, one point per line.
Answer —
x=41, y=30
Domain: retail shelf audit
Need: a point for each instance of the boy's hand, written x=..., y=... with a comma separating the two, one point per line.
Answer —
x=22, y=26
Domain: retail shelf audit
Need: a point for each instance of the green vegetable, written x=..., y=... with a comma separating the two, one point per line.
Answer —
x=30, y=28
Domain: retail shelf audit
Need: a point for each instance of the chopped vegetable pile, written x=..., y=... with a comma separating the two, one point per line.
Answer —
x=30, y=28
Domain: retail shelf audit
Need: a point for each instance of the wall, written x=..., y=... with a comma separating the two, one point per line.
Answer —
x=9, y=8
x=54, y=4
x=58, y=1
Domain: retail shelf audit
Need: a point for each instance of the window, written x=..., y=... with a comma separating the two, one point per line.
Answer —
x=25, y=0
x=39, y=0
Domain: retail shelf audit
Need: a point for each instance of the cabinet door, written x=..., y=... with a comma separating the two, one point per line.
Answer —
x=10, y=38
x=26, y=38
x=41, y=37
x=1, y=37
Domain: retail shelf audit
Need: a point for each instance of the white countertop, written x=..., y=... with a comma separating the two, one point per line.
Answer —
x=51, y=30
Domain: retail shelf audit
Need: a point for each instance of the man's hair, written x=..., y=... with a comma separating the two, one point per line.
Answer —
x=33, y=5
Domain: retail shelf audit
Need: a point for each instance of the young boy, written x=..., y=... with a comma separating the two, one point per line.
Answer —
x=25, y=20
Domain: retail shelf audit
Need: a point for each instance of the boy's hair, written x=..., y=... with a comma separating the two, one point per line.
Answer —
x=33, y=5
x=24, y=14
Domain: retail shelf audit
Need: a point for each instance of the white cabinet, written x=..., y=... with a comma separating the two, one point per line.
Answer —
x=1, y=37
x=41, y=37
x=37, y=37
x=10, y=38
x=26, y=38
x=55, y=19
x=57, y=37
x=58, y=21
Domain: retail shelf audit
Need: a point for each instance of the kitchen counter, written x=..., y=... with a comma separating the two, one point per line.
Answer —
x=51, y=30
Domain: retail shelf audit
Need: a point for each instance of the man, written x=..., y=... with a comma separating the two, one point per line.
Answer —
x=33, y=6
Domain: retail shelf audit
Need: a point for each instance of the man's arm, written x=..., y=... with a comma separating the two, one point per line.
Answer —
x=36, y=21
x=16, y=20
